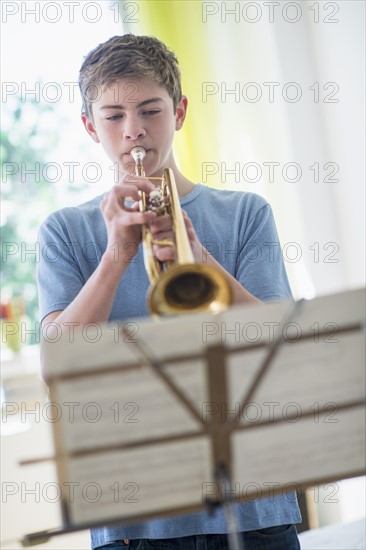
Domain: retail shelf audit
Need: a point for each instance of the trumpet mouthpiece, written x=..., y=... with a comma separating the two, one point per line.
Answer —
x=138, y=154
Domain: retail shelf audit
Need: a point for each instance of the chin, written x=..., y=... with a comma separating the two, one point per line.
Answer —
x=127, y=165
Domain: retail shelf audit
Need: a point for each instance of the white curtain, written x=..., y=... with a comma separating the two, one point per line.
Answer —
x=314, y=118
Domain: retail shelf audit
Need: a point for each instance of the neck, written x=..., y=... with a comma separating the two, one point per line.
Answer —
x=184, y=185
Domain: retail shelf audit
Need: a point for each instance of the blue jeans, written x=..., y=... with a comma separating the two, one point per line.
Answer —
x=281, y=537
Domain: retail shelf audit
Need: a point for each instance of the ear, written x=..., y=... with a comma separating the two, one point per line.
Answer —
x=181, y=112
x=89, y=127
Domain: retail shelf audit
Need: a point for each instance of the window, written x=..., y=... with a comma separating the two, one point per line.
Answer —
x=48, y=159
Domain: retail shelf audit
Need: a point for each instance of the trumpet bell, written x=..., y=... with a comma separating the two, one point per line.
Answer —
x=189, y=288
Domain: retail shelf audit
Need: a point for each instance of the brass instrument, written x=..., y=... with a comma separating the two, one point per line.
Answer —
x=182, y=286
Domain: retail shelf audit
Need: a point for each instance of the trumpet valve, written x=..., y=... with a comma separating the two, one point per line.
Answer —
x=156, y=202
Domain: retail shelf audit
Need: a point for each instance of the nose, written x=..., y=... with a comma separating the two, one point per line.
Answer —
x=133, y=128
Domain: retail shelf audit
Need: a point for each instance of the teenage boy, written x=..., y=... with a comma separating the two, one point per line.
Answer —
x=131, y=92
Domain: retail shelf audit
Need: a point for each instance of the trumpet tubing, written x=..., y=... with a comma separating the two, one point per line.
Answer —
x=182, y=286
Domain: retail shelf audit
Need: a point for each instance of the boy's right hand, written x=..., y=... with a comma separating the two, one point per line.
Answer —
x=123, y=221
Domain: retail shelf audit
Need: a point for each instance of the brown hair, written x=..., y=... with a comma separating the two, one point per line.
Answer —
x=129, y=55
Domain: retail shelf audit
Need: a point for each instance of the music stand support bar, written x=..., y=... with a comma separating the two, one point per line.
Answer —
x=220, y=443
x=272, y=352
x=233, y=536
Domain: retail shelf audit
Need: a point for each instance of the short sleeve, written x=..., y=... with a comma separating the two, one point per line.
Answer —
x=59, y=278
x=260, y=266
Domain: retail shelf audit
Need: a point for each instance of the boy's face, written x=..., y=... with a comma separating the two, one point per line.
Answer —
x=134, y=112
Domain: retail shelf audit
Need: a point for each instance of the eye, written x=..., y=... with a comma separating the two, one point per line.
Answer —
x=151, y=112
x=113, y=117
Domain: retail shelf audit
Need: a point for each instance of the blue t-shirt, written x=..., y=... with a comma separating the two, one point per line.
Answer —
x=238, y=229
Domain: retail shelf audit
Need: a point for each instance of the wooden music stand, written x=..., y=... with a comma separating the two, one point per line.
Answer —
x=267, y=399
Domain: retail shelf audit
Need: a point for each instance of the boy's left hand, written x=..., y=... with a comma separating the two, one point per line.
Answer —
x=161, y=228
x=198, y=250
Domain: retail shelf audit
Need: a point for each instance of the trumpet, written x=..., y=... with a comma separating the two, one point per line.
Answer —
x=182, y=285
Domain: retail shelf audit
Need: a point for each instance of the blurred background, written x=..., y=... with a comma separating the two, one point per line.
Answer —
x=276, y=106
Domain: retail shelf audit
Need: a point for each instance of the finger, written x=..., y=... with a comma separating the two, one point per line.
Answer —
x=165, y=253
x=143, y=184
x=162, y=223
x=119, y=194
x=136, y=218
x=186, y=218
x=133, y=192
x=112, y=207
x=189, y=226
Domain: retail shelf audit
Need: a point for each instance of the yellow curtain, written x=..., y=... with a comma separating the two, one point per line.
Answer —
x=179, y=25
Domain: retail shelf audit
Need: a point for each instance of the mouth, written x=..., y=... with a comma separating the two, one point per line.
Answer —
x=128, y=153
